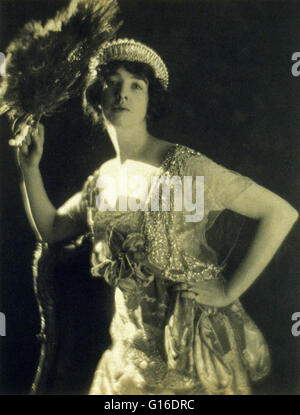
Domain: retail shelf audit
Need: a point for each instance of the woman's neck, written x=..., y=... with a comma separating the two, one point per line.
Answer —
x=131, y=142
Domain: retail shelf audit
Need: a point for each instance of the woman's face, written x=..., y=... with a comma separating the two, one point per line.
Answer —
x=125, y=98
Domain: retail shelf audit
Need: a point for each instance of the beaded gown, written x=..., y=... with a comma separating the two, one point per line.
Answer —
x=163, y=343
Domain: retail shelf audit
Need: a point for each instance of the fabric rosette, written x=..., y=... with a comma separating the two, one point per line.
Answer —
x=120, y=259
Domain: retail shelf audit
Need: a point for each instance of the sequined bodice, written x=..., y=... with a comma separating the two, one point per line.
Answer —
x=177, y=249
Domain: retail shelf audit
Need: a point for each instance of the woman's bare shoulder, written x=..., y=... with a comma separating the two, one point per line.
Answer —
x=164, y=144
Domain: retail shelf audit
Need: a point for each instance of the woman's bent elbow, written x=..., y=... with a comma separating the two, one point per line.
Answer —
x=287, y=214
x=295, y=215
x=291, y=214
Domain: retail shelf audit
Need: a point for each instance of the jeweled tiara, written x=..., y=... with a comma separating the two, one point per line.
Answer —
x=132, y=51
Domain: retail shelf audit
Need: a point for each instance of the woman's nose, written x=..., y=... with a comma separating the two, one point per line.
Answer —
x=122, y=93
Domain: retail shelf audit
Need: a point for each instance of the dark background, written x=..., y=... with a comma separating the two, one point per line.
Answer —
x=232, y=96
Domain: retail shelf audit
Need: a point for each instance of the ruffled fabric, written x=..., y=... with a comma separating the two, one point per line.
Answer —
x=120, y=259
x=222, y=348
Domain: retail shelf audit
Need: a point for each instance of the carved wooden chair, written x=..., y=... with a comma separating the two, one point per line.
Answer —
x=75, y=311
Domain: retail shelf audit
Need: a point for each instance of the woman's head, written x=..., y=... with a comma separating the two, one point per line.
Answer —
x=125, y=67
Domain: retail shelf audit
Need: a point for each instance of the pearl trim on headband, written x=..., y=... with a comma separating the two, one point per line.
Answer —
x=133, y=51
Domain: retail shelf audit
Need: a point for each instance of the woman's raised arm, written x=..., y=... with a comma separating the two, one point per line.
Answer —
x=43, y=217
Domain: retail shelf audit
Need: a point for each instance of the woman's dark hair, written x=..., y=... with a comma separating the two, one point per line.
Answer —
x=94, y=87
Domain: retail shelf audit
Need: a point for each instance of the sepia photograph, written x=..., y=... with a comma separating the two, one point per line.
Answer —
x=149, y=188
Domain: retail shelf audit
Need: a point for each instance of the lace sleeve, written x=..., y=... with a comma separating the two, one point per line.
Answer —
x=221, y=185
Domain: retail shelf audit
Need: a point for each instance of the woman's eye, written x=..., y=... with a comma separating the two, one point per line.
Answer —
x=110, y=82
x=136, y=86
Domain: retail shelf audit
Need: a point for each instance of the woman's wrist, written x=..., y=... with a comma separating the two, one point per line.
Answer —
x=29, y=171
x=29, y=167
x=228, y=298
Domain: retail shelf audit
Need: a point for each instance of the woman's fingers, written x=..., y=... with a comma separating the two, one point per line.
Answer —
x=189, y=294
x=41, y=128
x=28, y=139
x=195, y=288
x=27, y=130
x=12, y=142
x=38, y=136
x=20, y=137
x=19, y=124
x=201, y=290
x=180, y=287
x=23, y=149
x=203, y=298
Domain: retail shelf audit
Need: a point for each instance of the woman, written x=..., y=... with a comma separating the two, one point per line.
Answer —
x=178, y=326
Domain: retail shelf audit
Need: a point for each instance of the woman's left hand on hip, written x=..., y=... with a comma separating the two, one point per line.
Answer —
x=211, y=292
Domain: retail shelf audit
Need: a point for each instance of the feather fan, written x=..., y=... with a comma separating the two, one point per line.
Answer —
x=46, y=64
